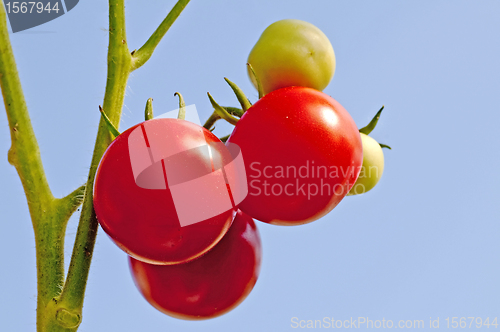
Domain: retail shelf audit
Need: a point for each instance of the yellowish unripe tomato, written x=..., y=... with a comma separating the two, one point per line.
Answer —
x=292, y=53
x=372, y=168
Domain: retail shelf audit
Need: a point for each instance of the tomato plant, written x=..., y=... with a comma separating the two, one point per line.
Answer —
x=135, y=198
x=292, y=53
x=302, y=154
x=161, y=190
x=208, y=286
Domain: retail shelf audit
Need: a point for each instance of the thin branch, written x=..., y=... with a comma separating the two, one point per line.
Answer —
x=143, y=54
x=221, y=111
x=215, y=116
x=211, y=121
x=24, y=153
x=66, y=206
x=119, y=67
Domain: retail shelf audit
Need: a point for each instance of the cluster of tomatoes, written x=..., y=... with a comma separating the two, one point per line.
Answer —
x=181, y=203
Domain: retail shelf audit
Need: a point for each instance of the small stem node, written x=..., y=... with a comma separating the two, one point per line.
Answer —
x=68, y=319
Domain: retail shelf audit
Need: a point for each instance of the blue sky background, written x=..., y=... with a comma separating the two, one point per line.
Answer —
x=424, y=243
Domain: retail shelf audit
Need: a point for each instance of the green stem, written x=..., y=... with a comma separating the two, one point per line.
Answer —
x=256, y=78
x=111, y=126
x=234, y=111
x=24, y=153
x=215, y=116
x=49, y=215
x=244, y=102
x=221, y=112
x=211, y=121
x=59, y=302
x=119, y=67
x=148, y=112
x=369, y=127
x=182, y=107
x=224, y=138
x=143, y=54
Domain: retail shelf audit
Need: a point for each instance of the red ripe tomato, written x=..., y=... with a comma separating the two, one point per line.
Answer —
x=148, y=196
x=208, y=286
x=302, y=154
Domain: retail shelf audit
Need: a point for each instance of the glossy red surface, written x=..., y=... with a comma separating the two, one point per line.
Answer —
x=144, y=222
x=208, y=286
x=302, y=153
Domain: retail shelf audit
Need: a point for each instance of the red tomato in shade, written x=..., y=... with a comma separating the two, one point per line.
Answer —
x=210, y=285
x=145, y=222
x=302, y=153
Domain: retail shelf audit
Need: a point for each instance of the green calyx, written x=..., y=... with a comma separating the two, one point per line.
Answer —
x=112, y=129
x=221, y=111
x=230, y=114
x=259, y=86
x=244, y=102
x=182, y=107
x=369, y=127
x=148, y=113
x=224, y=138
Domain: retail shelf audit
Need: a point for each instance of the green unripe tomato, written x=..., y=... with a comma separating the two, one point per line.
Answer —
x=292, y=53
x=372, y=168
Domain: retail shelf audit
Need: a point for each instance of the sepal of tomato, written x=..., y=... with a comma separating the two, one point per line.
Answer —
x=302, y=153
x=210, y=285
x=144, y=222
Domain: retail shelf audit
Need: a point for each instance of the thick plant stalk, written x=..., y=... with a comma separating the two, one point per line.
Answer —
x=49, y=215
x=59, y=301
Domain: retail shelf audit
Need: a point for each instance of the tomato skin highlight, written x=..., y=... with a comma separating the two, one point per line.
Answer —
x=210, y=285
x=294, y=129
x=292, y=53
x=144, y=222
